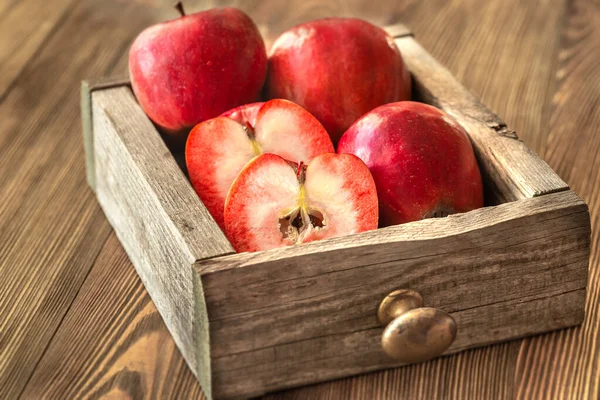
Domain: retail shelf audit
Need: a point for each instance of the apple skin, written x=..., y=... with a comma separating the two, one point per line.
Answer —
x=421, y=160
x=196, y=67
x=338, y=69
x=244, y=114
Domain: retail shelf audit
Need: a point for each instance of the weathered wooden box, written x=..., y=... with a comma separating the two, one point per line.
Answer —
x=253, y=323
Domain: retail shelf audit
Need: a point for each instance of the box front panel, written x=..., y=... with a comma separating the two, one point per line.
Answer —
x=306, y=314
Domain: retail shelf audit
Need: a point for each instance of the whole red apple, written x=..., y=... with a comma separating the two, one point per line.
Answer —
x=338, y=69
x=196, y=67
x=421, y=159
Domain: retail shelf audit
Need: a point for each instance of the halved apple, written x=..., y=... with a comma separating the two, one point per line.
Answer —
x=274, y=202
x=218, y=149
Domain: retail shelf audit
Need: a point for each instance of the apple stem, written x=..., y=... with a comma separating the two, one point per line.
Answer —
x=179, y=7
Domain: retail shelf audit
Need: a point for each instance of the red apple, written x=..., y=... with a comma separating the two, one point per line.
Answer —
x=421, y=159
x=274, y=203
x=218, y=149
x=338, y=69
x=196, y=67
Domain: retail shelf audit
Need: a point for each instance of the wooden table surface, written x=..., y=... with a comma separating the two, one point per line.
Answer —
x=75, y=320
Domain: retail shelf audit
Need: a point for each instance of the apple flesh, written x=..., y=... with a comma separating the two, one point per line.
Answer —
x=218, y=149
x=196, y=67
x=421, y=159
x=338, y=69
x=275, y=203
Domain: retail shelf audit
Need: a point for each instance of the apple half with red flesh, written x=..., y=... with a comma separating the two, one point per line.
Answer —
x=338, y=69
x=196, y=67
x=421, y=159
x=275, y=203
x=218, y=149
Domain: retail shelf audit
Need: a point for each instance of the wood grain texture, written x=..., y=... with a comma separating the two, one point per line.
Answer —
x=274, y=17
x=501, y=272
x=465, y=375
x=51, y=228
x=25, y=27
x=566, y=364
x=155, y=212
x=103, y=345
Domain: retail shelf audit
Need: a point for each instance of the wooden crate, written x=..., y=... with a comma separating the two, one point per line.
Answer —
x=253, y=323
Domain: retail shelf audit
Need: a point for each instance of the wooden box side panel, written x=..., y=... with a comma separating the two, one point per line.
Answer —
x=87, y=87
x=155, y=213
x=511, y=170
x=304, y=314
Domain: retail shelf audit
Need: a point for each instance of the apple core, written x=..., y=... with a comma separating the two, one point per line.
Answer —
x=249, y=129
x=295, y=224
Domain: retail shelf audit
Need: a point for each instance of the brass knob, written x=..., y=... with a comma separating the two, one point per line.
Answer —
x=413, y=333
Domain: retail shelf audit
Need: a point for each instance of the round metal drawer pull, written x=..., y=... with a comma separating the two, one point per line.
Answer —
x=413, y=333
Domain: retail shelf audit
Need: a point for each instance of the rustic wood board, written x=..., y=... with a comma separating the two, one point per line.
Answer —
x=310, y=309
x=24, y=32
x=567, y=363
x=51, y=227
x=509, y=68
x=109, y=357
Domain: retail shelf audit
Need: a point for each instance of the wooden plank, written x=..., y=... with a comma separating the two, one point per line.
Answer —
x=5, y=6
x=359, y=352
x=87, y=87
x=566, y=364
x=112, y=342
x=25, y=28
x=156, y=214
x=452, y=377
x=511, y=170
x=51, y=228
x=515, y=261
